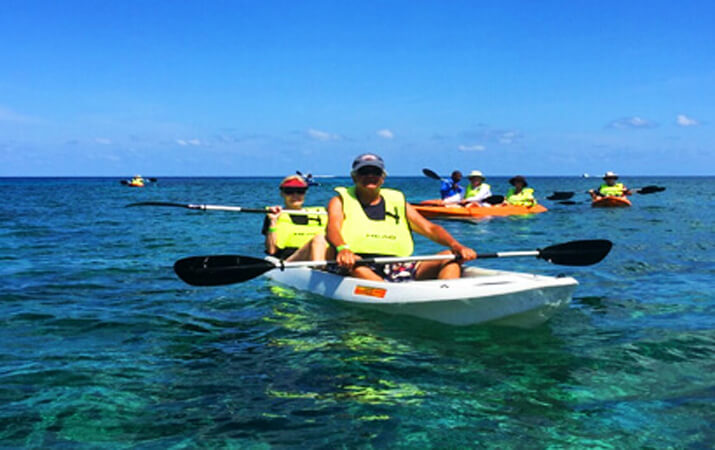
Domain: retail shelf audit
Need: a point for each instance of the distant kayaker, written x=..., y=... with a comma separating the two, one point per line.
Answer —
x=477, y=190
x=451, y=191
x=295, y=237
x=520, y=194
x=609, y=188
x=366, y=220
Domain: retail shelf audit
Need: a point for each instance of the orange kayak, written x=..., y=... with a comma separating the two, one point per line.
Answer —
x=471, y=212
x=611, y=201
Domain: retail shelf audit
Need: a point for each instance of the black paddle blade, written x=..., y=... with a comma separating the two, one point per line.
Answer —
x=577, y=253
x=431, y=174
x=494, y=200
x=567, y=202
x=217, y=270
x=650, y=189
x=560, y=195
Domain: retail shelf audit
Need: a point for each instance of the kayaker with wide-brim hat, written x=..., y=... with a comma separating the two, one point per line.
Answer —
x=520, y=194
x=610, y=187
x=477, y=190
x=295, y=237
x=369, y=220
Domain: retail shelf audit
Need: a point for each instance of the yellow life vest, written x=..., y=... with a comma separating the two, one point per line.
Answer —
x=616, y=190
x=472, y=191
x=391, y=236
x=293, y=235
x=523, y=198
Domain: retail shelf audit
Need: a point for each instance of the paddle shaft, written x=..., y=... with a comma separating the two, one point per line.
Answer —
x=398, y=259
x=227, y=208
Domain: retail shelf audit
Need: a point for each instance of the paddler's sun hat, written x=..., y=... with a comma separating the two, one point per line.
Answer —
x=476, y=174
x=518, y=178
x=293, y=181
x=366, y=160
x=610, y=174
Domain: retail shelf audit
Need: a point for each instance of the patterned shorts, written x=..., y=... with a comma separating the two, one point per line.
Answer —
x=396, y=272
x=393, y=273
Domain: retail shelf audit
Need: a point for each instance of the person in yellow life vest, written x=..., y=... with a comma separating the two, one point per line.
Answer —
x=137, y=181
x=520, y=194
x=609, y=188
x=367, y=220
x=294, y=237
x=477, y=190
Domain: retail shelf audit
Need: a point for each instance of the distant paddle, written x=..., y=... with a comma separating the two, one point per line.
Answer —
x=226, y=208
x=565, y=195
x=494, y=200
x=652, y=189
x=217, y=270
x=560, y=195
x=431, y=174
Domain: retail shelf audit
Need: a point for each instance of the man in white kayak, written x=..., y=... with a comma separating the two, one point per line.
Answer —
x=366, y=220
x=477, y=190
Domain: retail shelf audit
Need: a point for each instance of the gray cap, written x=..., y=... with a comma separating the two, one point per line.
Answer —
x=368, y=159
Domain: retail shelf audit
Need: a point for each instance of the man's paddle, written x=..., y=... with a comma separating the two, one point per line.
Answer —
x=226, y=208
x=216, y=270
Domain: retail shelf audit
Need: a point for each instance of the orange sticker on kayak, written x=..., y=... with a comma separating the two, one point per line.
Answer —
x=370, y=291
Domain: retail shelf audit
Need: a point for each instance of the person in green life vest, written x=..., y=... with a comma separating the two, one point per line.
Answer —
x=609, y=188
x=520, y=194
x=294, y=237
x=477, y=190
x=367, y=220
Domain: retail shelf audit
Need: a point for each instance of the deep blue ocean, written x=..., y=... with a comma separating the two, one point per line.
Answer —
x=101, y=345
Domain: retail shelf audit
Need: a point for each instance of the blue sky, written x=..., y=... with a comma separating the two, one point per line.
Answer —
x=267, y=87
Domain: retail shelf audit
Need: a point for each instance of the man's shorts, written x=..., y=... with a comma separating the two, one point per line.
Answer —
x=393, y=273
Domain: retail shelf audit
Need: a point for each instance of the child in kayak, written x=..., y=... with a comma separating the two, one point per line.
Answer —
x=368, y=220
x=294, y=237
x=610, y=188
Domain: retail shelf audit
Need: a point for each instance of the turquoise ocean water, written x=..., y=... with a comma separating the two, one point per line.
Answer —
x=102, y=346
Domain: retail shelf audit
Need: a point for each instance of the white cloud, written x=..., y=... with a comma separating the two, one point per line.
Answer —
x=685, y=121
x=8, y=115
x=632, y=122
x=322, y=135
x=385, y=133
x=186, y=142
x=508, y=137
x=103, y=141
x=471, y=148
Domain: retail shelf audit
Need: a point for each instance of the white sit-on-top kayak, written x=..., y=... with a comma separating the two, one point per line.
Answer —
x=480, y=296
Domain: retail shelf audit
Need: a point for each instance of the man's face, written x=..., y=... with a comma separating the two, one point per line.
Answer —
x=369, y=177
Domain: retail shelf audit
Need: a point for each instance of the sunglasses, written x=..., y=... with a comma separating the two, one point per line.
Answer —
x=365, y=171
x=289, y=191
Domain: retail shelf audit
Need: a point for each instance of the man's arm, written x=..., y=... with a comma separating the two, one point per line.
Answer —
x=344, y=257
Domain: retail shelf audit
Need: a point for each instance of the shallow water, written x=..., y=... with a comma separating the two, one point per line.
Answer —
x=102, y=346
